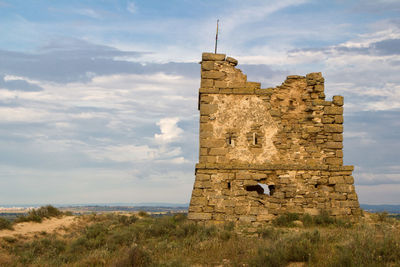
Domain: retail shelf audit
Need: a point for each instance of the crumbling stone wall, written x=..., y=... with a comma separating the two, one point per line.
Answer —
x=268, y=151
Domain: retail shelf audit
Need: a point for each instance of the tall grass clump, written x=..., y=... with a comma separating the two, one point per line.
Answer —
x=37, y=215
x=289, y=248
x=323, y=219
x=5, y=224
x=286, y=219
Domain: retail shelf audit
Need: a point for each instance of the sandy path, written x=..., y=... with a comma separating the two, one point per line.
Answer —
x=48, y=226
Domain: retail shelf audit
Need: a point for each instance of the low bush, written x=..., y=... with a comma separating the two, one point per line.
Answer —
x=323, y=219
x=290, y=248
x=134, y=256
x=286, y=219
x=5, y=224
x=37, y=215
x=143, y=214
x=119, y=240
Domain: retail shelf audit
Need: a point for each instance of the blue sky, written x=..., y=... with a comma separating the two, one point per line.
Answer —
x=98, y=99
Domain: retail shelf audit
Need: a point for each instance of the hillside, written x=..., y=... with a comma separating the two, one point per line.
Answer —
x=137, y=239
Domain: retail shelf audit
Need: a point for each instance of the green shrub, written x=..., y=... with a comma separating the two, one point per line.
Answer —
x=307, y=220
x=46, y=248
x=382, y=216
x=268, y=233
x=323, y=219
x=286, y=219
x=143, y=214
x=5, y=224
x=37, y=215
x=365, y=249
x=134, y=256
x=127, y=220
x=292, y=248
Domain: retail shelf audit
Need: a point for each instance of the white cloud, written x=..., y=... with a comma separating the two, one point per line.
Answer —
x=88, y=13
x=131, y=7
x=170, y=131
x=363, y=138
x=123, y=153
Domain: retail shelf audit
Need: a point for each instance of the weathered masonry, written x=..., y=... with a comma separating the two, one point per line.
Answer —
x=264, y=152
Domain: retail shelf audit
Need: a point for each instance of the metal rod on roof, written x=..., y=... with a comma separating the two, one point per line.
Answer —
x=216, y=37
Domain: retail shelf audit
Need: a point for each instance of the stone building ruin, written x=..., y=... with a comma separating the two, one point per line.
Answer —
x=264, y=152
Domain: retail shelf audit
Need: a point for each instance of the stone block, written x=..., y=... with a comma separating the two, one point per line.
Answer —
x=225, y=90
x=319, y=87
x=349, y=179
x=247, y=218
x=339, y=153
x=352, y=196
x=333, y=110
x=334, y=145
x=343, y=188
x=240, y=210
x=320, y=102
x=218, y=151
x=336, y=180
x=275, y=113
x=199, y=216
x=333, y=128
x=244, y=90
x=337, y=137
x=334, y=161
x=337, y=100
x=207, y=109
x=198, y=201
x=314, y=75
x=237, y=84
x=212, y=143
x=265, y=217
x=213, y=57
x=208, y=90
x=221, y=84
x=212, y=74
x=207, y=83
x=312, y=211
x=231, y=60
x=203, y=177
x=207, y=65
x=253, y=85
x=294, y=77
x=339, y=119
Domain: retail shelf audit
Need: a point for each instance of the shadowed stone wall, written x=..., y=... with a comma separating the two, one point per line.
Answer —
x=264, y=152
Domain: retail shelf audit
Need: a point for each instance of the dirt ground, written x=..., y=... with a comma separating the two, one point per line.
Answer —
x=30, y=228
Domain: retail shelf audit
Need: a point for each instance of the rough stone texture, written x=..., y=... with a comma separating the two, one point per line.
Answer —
x=264, y=152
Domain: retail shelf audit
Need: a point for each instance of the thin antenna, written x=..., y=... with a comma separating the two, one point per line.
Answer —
x=216, y=37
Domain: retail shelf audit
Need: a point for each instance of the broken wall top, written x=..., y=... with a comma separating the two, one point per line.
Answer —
x=244, y=125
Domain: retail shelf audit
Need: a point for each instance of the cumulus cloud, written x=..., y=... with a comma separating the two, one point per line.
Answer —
x=170, y=132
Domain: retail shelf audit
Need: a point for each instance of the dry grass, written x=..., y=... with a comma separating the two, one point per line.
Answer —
x=118, y=240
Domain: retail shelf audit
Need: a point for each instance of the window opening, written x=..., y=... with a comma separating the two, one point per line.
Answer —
x=255, y=139
x=230, y=141
x=229, y=185
x=271, y=189
x=262, y=189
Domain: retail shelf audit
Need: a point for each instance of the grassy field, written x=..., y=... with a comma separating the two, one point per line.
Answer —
x=142, y=240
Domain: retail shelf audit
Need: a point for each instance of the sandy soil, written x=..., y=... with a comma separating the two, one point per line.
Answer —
x=30, y=228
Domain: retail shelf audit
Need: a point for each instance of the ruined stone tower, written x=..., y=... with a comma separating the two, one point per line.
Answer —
x=264, y=152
